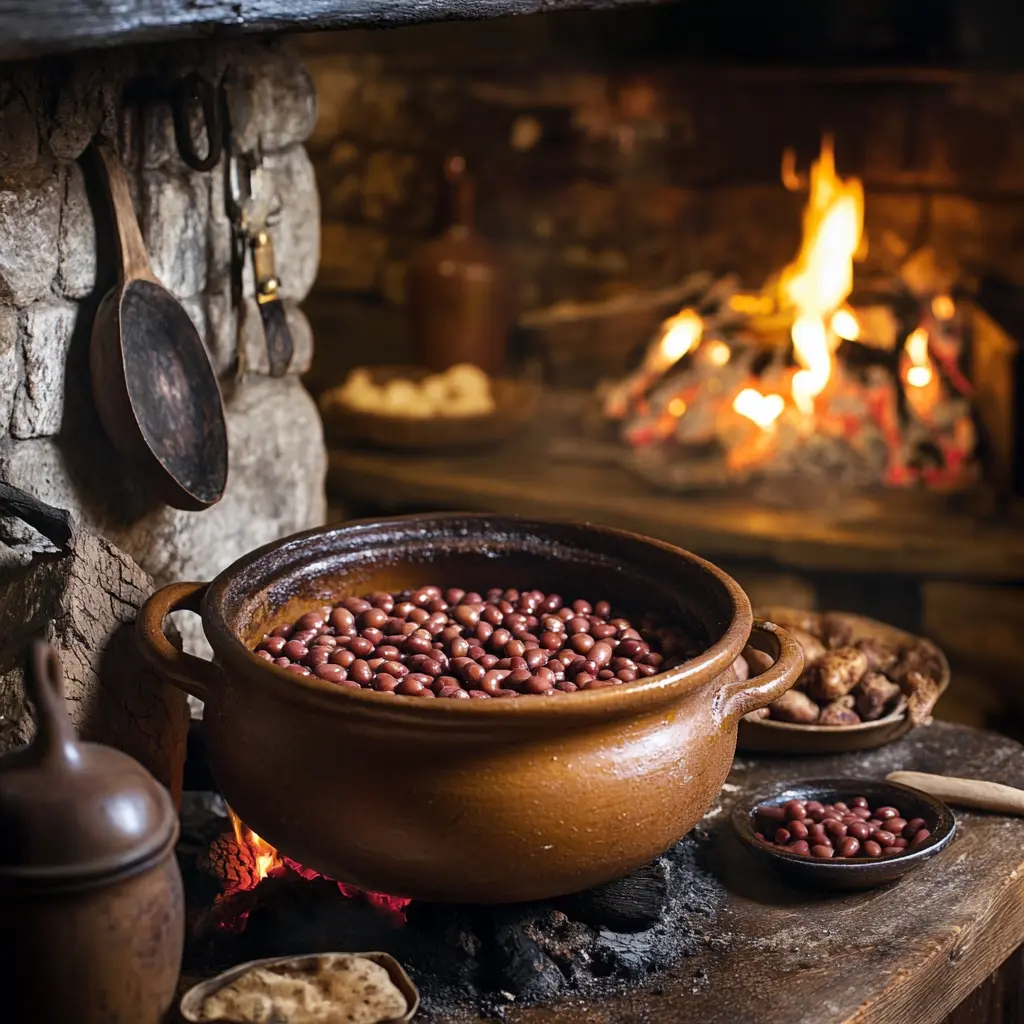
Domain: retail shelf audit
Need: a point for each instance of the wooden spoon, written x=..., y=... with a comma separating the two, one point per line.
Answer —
x=155, y=390
x=986, y=796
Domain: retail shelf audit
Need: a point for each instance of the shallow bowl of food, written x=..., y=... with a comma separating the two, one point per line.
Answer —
x=899, y=678
x=859, y=870
x=470, y=800
x=513, y=405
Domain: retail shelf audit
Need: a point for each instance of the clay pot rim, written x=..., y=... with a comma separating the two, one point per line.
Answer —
x=625, y=699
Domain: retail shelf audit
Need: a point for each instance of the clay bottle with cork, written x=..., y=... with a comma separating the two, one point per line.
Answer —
x=457, y=294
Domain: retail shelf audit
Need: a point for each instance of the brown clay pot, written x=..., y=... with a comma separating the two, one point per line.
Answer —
x=469, y=801
x=89, y=886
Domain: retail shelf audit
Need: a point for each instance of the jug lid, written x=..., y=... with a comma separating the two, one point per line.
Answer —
x=72, y=811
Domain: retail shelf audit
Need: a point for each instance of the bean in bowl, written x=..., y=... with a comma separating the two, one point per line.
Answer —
x=463, y=645
x=810, y=828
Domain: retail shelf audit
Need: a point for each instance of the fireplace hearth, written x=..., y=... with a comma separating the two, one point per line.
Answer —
x=466, y=961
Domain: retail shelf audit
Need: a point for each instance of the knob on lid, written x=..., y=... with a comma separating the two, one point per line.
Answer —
x=72, y=811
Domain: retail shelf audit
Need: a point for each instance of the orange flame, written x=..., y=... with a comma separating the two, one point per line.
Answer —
x=819, y=280
x=919, y=374
x=677, y=336
x=265, y=856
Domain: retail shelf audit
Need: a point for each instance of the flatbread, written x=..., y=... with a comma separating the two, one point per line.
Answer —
x=331, y=989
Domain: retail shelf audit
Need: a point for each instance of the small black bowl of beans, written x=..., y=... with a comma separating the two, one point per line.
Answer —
x=844, y=833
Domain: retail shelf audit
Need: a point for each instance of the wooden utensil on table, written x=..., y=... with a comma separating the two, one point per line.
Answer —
x=986, y=796
x=156, y=392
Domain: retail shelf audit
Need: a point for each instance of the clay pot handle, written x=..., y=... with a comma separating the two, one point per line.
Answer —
x=986, y=796
x=191, y=674
x=44, y=684
x=742, y=696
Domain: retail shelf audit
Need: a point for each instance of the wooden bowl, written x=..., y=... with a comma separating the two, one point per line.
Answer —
x=515, y=400
x=767, y=736
x=848, y=872
x=192, y=1001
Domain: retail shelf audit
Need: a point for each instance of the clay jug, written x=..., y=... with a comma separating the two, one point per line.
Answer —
x=89, y=883
x=456, y=289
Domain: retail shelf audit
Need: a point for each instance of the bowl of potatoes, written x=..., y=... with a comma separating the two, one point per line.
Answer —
x=864, y=684
x=408, y=408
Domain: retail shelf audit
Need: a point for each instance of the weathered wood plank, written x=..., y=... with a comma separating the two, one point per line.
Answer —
x=36, y=27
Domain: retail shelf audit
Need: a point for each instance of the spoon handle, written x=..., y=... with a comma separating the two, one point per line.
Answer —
x=988, y=796
x=134, y=257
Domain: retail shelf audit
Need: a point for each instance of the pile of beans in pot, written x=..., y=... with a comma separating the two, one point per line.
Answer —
x=465, y=645
x=813, y=829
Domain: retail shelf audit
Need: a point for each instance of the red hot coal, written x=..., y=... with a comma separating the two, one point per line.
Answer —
x=464, y=645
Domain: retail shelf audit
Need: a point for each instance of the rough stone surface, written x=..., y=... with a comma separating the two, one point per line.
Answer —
x=174, y=228
x=297, y=232
x=29, y=225
x=76, y=272
x=39, y=402
x=9, y=365
x=19, y=133
x=84, y=603
x=55, y=257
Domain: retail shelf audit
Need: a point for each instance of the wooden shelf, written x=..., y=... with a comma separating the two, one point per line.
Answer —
x=889, y=533
x=30, y=28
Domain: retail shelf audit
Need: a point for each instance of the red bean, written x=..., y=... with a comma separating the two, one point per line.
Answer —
x=770, y=813
x=919, y=837
x=360, y=647
x=264, y=655
x=795, y=810
x=601, y=653
x=783, y=835
x=294, y=651
x=274, y=645
x=453, y=692
x=412, y=686
x=882, y=837
x=822, y=852
x=896, y=826
x=298, y=669
x=342, y=657
x=859, y=801
x=859, y=830
x=330, y=673
x=800, y=847
x=871, y=848
x=913, y=826
x=849, y=847
x=885, y=813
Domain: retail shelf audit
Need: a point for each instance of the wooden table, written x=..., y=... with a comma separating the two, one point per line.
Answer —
x=914, y=952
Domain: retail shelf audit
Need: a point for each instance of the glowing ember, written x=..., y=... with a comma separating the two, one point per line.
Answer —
x=943, y=307
x=919, y=373
x=270, y=863
x=677, y=336
x=676, y=407
x=845, y=324
x=718, y=353
x=763, y=410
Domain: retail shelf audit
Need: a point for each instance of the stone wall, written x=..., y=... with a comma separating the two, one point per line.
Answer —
x=613, y=154
x=57, y=259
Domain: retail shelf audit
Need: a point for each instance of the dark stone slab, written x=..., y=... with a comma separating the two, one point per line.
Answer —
x=35, y=27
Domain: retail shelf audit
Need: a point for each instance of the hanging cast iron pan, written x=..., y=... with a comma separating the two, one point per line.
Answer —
x=156, y=392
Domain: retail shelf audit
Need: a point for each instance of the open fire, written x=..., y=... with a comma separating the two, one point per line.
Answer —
x=241, y=860
x=798, y=378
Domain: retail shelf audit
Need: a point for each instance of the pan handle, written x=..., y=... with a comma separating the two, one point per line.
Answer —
x=191, y=674
x=742, y=696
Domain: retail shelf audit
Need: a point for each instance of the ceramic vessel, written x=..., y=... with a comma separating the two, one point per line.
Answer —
x=469, y=801
x=89, y=884
x=456, y=289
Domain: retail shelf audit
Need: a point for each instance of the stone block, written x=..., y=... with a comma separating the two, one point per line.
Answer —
x=76, y=272
x=19, y=131
x=82, y=95
x=174, y=218
x=282, y=104
x=10, y=375
x=29, y=227
x=351, y=257
x=84, y=603
x=297, y=231
x=39, y=402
